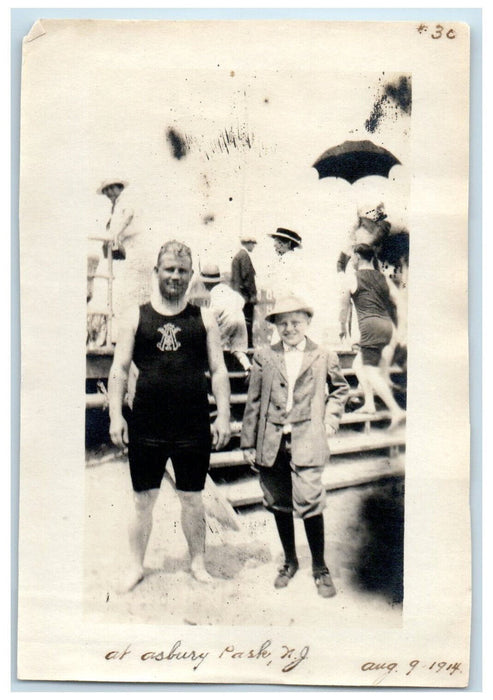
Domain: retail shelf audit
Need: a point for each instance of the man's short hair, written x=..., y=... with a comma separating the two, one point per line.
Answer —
x=177, y=248
x=365, y=251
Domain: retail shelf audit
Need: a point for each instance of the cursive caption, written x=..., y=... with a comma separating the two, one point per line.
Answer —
x=382, y=669
x=285, y=657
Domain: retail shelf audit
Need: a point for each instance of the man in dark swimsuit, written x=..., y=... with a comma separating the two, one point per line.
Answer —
x=172, y=344
x=375, y=306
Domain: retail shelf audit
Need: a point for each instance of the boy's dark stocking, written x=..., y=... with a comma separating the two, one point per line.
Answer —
x=285, y=528
x=314, y=528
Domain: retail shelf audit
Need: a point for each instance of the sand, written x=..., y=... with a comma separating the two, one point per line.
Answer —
x=363, y=550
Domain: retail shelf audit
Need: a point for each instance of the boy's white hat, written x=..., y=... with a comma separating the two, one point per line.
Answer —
x=286, y=305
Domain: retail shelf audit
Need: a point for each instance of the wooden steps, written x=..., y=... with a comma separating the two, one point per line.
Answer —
x=237, y=399
x=347, y=419
x=343, y=473
x=363, y=450
x=341, y=444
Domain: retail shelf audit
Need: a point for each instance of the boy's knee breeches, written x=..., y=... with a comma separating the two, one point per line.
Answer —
x=287, y=487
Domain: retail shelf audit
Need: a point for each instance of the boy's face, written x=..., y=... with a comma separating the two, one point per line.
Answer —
x=292, y=326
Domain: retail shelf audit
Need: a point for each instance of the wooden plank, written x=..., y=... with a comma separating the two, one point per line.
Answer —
x=234, y=399
x=96, y=400
x=339, y=445
x=239, y=399
x=343, y=474
x=232, y=375
x=108, y=351
x=242, y=398
x=350, y=371
x=347, y=419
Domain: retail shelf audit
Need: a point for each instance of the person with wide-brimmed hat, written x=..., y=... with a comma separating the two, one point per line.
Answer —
x=285, y=271
x=131, y=243
x=112, y=188
x=243, y=280
x=287, y=419
x=285, y=240
x=227, y=306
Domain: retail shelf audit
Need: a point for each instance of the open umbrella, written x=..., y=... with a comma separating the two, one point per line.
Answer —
x=352, y=160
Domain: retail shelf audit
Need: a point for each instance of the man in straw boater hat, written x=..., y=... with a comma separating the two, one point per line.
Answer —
x=287, y=419
x=243, y=280
x=172, y=344
x=227, y=306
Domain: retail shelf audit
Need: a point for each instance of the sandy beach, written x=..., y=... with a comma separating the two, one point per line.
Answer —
x=363, y=528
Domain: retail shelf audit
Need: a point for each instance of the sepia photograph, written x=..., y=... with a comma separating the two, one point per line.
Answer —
x=234, y=242
x=325, y=248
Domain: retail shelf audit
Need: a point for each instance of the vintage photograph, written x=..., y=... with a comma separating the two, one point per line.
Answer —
x=255, y=220
x=244, y=237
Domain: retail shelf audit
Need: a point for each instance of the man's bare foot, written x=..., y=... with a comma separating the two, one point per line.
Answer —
x=129, y=581
x=199, y=572
x=397, y=419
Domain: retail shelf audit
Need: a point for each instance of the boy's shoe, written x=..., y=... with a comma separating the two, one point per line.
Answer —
x=324, y=584
x=286, y=572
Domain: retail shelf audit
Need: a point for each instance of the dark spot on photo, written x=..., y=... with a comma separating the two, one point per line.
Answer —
x=177, y=142
x=400, y=93
x=208, y=219
x=377, y=113
x=379, y=562
x=395, y=99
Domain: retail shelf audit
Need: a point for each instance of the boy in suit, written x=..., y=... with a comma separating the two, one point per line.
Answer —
x=296, y=399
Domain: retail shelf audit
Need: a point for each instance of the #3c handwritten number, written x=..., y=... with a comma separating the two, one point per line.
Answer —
x=438, y=32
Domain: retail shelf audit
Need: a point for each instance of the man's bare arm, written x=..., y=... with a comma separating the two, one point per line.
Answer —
x=118, y=377
x=219, y=380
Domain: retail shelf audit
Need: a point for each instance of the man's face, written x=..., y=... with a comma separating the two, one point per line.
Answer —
x=249, y=245
x=174, y=273
x=281, y=245
x=292, y=326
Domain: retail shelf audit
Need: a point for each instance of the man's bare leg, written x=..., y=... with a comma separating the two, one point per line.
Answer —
x=139, y=531
x=193, y=525
x=369, y=400
x=387, y=357
x=380, y=387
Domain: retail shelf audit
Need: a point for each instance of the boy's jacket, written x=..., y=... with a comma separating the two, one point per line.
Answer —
x=320, y=393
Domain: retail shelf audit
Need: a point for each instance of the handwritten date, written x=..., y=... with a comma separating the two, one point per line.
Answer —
x=434, y=667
